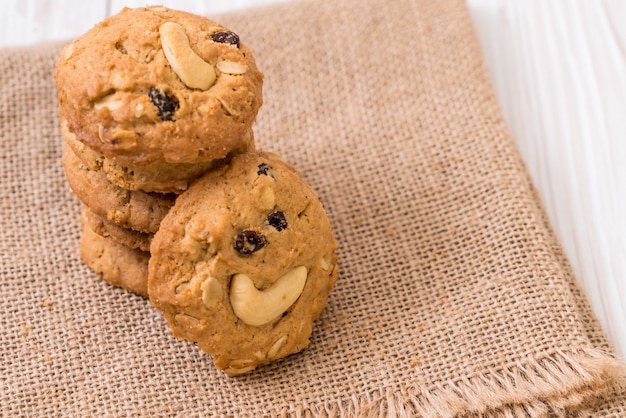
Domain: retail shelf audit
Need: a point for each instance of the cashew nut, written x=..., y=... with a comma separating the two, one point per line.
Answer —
x=157, y=8
x=258, y=307
x=231, y=67
x=212, y=292
x=190, y=68
x=68, y=51
x=325, y=264
x=278, y=344
x=240, y=366
x=111, y=102
x=268, y=199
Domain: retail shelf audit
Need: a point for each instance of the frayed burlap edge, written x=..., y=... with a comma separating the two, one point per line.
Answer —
x=562, y=384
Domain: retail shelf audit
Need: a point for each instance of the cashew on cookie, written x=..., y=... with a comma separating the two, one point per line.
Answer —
x=244, y=262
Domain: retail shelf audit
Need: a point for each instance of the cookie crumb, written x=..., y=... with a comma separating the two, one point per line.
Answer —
x=46, y=303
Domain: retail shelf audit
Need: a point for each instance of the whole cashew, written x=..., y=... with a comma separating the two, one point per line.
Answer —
x=190, y=68
x=258, y=307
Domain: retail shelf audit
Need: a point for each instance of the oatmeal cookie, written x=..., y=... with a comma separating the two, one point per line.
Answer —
x=128, y=237
x=116, y=263
x=157, y=177
x=153, y=84
x=243, y=263
x=136, y=210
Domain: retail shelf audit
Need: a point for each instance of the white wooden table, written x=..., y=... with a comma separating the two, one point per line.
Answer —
x=559, y=69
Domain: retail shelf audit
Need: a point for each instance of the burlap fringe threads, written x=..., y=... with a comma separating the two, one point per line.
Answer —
x=560, y=385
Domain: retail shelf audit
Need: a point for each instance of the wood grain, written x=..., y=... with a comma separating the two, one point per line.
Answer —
x=559, y=70
x=24, y=22
x=202, y=7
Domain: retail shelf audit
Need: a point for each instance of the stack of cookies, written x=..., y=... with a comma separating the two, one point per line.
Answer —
x=150, y=99
x=235, y=249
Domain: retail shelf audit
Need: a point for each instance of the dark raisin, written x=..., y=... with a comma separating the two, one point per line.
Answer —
x=166, y=105
x=264, y=169
x=277, y=220
x=249, y=241
x=226, y=38
x=120, y=47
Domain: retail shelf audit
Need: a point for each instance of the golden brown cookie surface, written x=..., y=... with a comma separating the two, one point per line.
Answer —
x=158, y=176
x=135, y=210
x=244, y=262
x=128, y=237
x=155, y=84
x=118, y=264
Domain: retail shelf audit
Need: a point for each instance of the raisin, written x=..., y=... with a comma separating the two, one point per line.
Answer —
x=166, y=105
x=226, y=38
x=277, y=220
x=264, y=169
x=249, y=241
x=120, y=47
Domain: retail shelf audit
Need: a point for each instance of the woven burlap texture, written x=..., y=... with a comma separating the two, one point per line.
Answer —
x=453, y=298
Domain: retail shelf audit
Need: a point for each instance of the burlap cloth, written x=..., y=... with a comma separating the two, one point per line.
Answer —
x=453, y=298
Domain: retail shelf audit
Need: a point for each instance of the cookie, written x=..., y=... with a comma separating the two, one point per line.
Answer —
x=243, y=263
x=153, y=84
x=158, y=177
x=128, y=237
x=118, y=264
x=135, y=210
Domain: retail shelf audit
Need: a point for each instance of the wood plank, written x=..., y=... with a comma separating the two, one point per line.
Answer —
x=201, y=7
x=559, y=70
x=24, y=22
